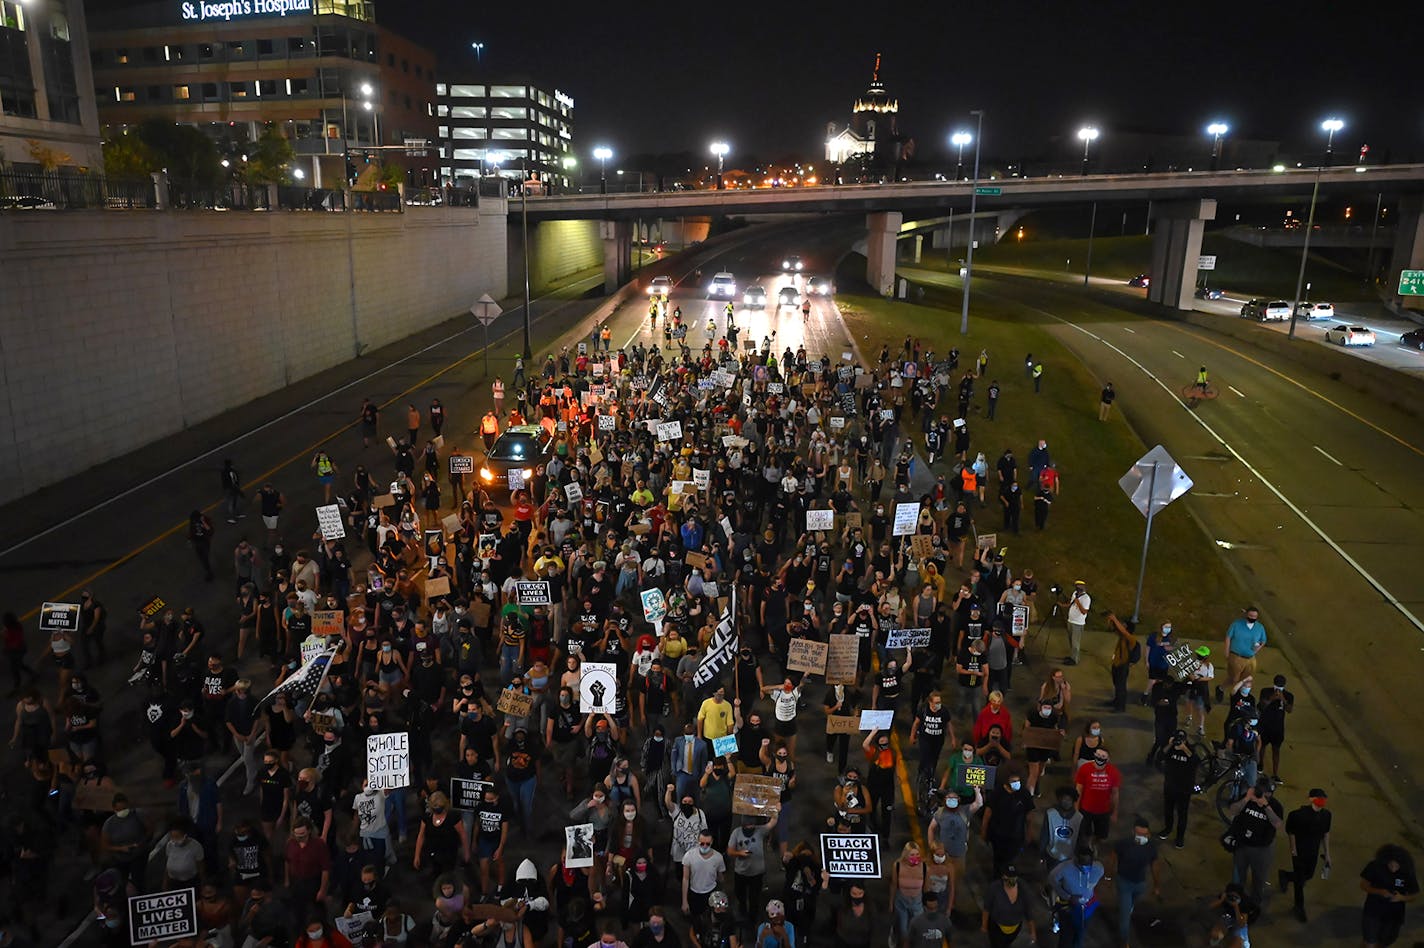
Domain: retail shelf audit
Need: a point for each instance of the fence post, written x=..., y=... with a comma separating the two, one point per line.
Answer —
x=161, y=200
x=400, y=197
x=272, y=196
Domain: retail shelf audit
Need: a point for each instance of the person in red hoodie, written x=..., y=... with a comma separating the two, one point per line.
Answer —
x=993, y=713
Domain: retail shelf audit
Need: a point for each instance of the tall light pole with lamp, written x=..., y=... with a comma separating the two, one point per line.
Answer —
x=973, y=208
x=1087, y=134
x=1330, y=126
x=368, y=93
x=959, y=140
x=720, y=149
x=1216, y=130
x=479, y=49
x=603, y=153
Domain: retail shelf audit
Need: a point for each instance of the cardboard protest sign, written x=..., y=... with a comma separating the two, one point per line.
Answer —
x=908, y=638
x=480, y=613
x=986, y=541
x=842, y=659
x=467, y=794
x=842, y=724
x=598, y=687
x=755, y=795
x=722, y=746
x=853, y=520
x=851, y=856
x=922, y=545
x=97, y=797
x=462, y=464
x=1040, y=738
x=163, y=916
x=669, y=431
x=328, y=622
x=437, y=586
x=807, y=655
x=820, y=520
x=515, y=703
x=59, y=617
x=978, y=775
x=532, y=593
x=696, y=560
x=450, y=523
x=388, y=760
x=1183, y=662
x=907, y=516
x=873, y=720
x=381, y=501
x=573, y=492
x=578, y=846
x=328, y=518
x=321, y=722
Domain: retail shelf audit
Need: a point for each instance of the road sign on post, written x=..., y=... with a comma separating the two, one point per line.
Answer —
x=1206, y=261
x=486, y=310
x=1411, y=282
x=1151, y=484
x=989, y=191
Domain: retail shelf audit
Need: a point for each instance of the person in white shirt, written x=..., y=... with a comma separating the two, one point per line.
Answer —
x=1079, y=604
x=785, y=698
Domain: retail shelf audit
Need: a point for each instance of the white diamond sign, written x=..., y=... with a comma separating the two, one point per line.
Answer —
x=1157, y=476
x=485, y=309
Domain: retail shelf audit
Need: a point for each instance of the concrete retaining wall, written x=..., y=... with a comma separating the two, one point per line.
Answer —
x=556, y=249
x=119, y=328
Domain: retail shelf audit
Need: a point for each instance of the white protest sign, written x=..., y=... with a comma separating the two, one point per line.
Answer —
x=329, y=519
x=654, y=605
x=607, y=422
x=573, y=492
x=703, y=479
x=312, y=646
x=877, y=720
x=775, y=388
x=598, y=687
x=820, y=520
x=516, y=478
x=908, y=638
x=532, y=592
x=669, y=431
x=388, y=761
x=906, y=517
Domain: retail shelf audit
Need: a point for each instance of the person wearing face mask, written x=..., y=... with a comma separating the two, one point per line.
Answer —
x=1179, y=769
x=1255, y=820
x=856, y=923
x=123, y=840
x=747, y=848
x=1244, y=739
x=907, y=887
x=1005, y=822
x=1005, y=912
x=1099, y=785
x=1060, y=828
x=1308, y=829
x=1130, y=862
x=1072, y=886
x=1159, y=643
x=1043, y=736
x=318, y=934
x=702, y=871
x=656, y=933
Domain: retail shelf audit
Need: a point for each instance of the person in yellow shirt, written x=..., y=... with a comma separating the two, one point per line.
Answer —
x=714, y=718
x=673, y=645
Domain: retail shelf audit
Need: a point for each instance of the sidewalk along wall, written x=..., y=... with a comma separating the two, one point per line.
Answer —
x=117, y=329
x=556, y=249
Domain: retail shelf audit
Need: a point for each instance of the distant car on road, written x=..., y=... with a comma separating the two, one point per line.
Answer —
x=755, y=296
x=526, y=447
x=1208, y=293
x=660, y=287
x=818, y=285
x=1141, y=279
x=1309, y=310
x=788, y=296
x=1350, y=335
x=1275, y=311
x=792, y=265
x=723, y=286
x=1414, y=339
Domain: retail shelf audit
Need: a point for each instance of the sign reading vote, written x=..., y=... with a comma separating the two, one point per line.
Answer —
x=162, y=916
x=851, y=856
x=388, y=761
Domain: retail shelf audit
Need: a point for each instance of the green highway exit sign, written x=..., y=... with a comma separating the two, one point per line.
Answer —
x=1411, y=283
x=991, y=191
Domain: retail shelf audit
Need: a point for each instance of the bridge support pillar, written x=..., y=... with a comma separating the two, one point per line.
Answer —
x=1176, y=245
x=617, y=254
x=1408, y=245
x=884, y=227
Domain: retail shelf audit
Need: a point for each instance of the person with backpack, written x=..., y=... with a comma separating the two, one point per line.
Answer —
x=1126, y=653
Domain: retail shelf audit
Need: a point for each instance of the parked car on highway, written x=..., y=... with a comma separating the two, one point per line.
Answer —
x=526, y=447
x=1141, y=279
x=1350, y=335
x=818, y=285
x=723, y=285
x=1309, y=310
x=1208, y=293
x=755, y=296
x=1414, y=339
x=1253, y=308
x=788, y=296
x=660, y=286
x=792, y=265
x=1275, y=311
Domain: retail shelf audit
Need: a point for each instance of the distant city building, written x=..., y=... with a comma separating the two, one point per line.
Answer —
x=322, y=70
x=872, y=139
x=47, y=113
x=512, y=128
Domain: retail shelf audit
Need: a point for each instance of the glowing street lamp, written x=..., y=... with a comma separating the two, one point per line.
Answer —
x=479, y=48
x=1330, y=126
x=720, y=149
x=959, y=140
x=1216, y=130
x=603, y=153
x=1088, y=134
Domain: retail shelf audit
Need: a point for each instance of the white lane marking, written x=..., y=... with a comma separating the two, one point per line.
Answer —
x=1327, y=454
x=1237, y=390
x=1178, y=354
x=1133, y=331
x=1379, y=587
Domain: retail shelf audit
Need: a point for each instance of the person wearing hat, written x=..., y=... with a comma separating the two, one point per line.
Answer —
x=1072, y=885
x=1308, y=829
x=776, y=931
x=1179, y=769
x=1275, y=703
x=1005, y=911
x=1199, y=689
x=1078, y=605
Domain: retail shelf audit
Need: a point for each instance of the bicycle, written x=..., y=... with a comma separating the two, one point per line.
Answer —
x=1195, y=394
x=1217, y=767
x=928, y=796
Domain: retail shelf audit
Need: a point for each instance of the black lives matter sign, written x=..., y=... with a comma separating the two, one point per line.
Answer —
x=851, y=855
x=162, y=916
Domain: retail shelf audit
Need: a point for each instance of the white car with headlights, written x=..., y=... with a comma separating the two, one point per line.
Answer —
x=1350, y=335
x=792, y=265
x=660, y=287
x=755, y=296
x=788, y=296
x=1308, y=310
x=1276, y=311
x=723, y=286
x=818, y=285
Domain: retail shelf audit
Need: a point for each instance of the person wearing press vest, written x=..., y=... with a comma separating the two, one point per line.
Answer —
x=1251, y=838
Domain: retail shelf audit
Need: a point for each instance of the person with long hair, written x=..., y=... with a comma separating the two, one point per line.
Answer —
x=1389, y=881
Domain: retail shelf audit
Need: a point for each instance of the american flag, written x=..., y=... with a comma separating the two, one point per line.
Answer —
x=722, y=647
x=303, y=685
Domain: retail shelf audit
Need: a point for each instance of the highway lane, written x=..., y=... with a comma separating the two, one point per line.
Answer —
x=1363, y=653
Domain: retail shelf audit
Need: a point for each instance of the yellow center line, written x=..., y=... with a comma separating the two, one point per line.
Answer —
x=907, y=791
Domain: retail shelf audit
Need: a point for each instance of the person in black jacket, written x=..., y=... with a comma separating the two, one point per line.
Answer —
x=1179, y=767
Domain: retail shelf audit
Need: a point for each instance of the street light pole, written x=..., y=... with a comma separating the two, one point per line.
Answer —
x=524, y=229
x=720, y=149
x=1216, y=130
x=1092, y=228
x=602, y=153
x=1088, y=134
x=959, y=140
x=973, y=207
x=1330, y=126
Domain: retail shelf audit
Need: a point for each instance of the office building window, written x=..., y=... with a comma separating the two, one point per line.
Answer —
x=210, y=91
x=439, y=88
x=125, y=94
x=152, y=94
x=12, y=15
x=444, y=131
x=509, y=134
x=296, y=45
x=507, y=92
x=267, y=87
x=16, y=102
x=508, y=112
x=237, y=90
x=463, y=133
x=235, y=49
x=407, y=103
x=264, y=47
x=405, y=65
x=181, y=93
x=391, y=60
x=121, y=56
x=151, y=54
x=467, y=111
x=206, y=51
x=463, y=91
x=469, y=154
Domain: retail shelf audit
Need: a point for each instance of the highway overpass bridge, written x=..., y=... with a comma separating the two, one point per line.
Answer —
x=1181, y=204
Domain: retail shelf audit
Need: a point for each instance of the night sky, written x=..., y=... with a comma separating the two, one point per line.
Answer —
x=767, y=78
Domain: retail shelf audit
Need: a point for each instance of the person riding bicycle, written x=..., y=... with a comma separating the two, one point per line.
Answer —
x=1202, y=380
